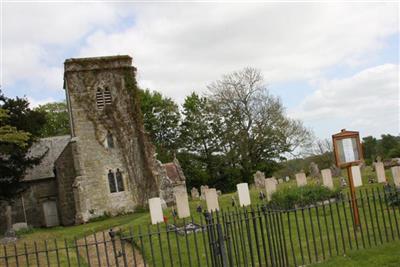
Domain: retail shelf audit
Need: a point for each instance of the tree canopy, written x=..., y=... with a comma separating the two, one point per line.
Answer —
x=56, y=119
x=19, y=127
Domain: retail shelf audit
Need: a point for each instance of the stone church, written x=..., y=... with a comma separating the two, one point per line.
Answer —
x=107, y=166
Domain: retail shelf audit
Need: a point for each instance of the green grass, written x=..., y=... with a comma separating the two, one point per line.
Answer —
x=385, y=255
x=318, y=229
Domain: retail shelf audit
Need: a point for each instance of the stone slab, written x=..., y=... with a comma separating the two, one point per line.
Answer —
x=156, y=212
x=182, y=204
x=243, y=194
x=396, y=175
x=327, y=178
x=270, y=187
x=211, y=199
x=380, y=172
x=356, y=172
x=301, y=179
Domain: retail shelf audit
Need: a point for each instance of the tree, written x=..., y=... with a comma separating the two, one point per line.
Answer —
x=19, y=126
x=256, y=131
x=161, y=118
x=57, y=119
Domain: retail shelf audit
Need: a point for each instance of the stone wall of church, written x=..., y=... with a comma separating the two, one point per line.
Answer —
x=131, y=153
x=32, y=200
x=65, y=175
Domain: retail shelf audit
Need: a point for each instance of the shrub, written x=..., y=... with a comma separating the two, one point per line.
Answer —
x=291, y=197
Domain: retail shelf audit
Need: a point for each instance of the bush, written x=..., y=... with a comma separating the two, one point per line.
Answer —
x=291, y=197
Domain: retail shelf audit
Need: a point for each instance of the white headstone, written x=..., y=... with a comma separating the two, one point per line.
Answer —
x=301, y=179
x=396, y=175
x=270, y=187
x=156, y=213
x=182, y=204
x=244, y=194
x=211, y=199
x=327, y=178
x=356, y=172
x=380, y=172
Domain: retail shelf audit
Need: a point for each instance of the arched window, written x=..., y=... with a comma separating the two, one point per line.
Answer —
x=111, y=182
x=115, y=181
x=120, y=181
x=99, y=99
x=110, y=140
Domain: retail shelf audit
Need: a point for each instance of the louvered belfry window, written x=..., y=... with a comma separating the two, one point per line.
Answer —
x=103, y=97
x=99, y=99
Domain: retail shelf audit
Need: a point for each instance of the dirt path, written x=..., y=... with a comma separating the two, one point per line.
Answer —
x=102, y=251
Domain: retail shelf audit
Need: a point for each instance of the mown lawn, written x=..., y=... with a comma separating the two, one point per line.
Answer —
x=385, y=255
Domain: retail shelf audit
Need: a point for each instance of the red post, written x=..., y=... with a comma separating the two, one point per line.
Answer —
x=353, y=197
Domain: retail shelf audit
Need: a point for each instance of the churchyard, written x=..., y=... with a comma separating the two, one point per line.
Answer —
x=253, y=235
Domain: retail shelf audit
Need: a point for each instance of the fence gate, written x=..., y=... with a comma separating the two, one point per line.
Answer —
x=247, y=238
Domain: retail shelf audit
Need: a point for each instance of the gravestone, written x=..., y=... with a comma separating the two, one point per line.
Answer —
x=380, y=172
x=203, y=189
x=270, y=187
x=314, y=170
x=182, y=204
x=244, y=194
x=301, y=179
x=356, y=172
x=280, y=181
x=156, y=213
x=20, y=226
x=219, y=192
x=396, y=175
x=327, y=178
x=194, y=193
x=259, y=179
x=211, y=199
x=287, y=178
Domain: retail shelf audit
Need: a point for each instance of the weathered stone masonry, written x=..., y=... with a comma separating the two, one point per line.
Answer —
x=132, y=154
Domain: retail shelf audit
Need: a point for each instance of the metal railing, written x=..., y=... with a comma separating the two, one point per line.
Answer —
x=255, y=236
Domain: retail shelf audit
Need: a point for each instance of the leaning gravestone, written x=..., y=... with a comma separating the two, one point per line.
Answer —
x=396, y=175
x=203, y=190
x=259, y=179
x=156, y=213
x=356, y=172
x=182, y=204
x=301, y=179
x=380, y=172
x=244, y=194
x=211, y=199
x=194, y=193
x=327, y=178
x=270, y=187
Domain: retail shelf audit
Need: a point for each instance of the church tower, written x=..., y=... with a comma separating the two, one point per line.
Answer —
x=113, y=159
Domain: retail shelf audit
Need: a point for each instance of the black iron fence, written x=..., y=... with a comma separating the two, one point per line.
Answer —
x=255, y=236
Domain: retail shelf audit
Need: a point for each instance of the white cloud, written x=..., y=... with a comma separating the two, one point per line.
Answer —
x=367, y=101
x=183, y=47
x=36, y=34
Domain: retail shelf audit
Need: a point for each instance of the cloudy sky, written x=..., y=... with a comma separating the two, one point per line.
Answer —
x=333, y=65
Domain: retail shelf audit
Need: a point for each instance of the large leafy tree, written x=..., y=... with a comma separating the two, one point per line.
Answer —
x=19, y=127
x=161, y=118
x=57, y=119
x=256, y=130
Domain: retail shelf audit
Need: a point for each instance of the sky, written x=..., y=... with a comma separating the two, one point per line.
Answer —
x=334, y=65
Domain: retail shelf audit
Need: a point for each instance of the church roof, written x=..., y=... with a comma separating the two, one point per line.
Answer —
x=173, y=173
x=51, y=148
